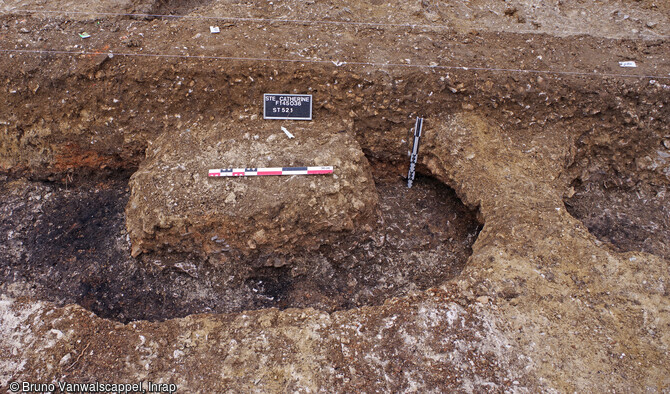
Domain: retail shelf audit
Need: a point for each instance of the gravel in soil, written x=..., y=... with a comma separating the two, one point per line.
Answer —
x=68, y=244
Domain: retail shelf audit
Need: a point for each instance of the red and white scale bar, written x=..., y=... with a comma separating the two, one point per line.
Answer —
x=271, y=171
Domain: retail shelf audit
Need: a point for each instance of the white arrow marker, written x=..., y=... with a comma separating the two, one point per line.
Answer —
x=288, y=133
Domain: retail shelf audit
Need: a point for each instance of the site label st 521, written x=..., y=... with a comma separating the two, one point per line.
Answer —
x=287, y=106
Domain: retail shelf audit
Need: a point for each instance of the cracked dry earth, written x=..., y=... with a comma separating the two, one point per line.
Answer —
x=538, y=255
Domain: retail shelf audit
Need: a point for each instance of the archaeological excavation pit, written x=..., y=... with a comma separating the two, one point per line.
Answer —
x=68, y=244
x=620, y=189
x=350, y=281
x=631, y=218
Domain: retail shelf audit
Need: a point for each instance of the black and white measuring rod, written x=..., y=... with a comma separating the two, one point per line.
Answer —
x=415, y=151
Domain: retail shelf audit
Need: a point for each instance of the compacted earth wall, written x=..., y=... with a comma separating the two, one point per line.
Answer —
x=531, y=254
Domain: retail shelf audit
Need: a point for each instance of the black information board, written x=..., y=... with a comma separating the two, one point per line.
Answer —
x=287, y=106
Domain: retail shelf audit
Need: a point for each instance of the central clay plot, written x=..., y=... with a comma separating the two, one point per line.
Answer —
x=176, y=208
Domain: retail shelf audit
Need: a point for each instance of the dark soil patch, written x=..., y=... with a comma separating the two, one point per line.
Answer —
x=69, y=245
x=632, y=218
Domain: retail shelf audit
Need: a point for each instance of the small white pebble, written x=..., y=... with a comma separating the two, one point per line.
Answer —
x=66, y=359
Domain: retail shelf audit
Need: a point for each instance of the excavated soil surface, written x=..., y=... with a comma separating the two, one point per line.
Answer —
x=618, y=192
x=563, y=154
x=68, y=244
x=632, y=218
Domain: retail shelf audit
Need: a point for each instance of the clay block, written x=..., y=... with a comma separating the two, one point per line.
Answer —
x=175, y=207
